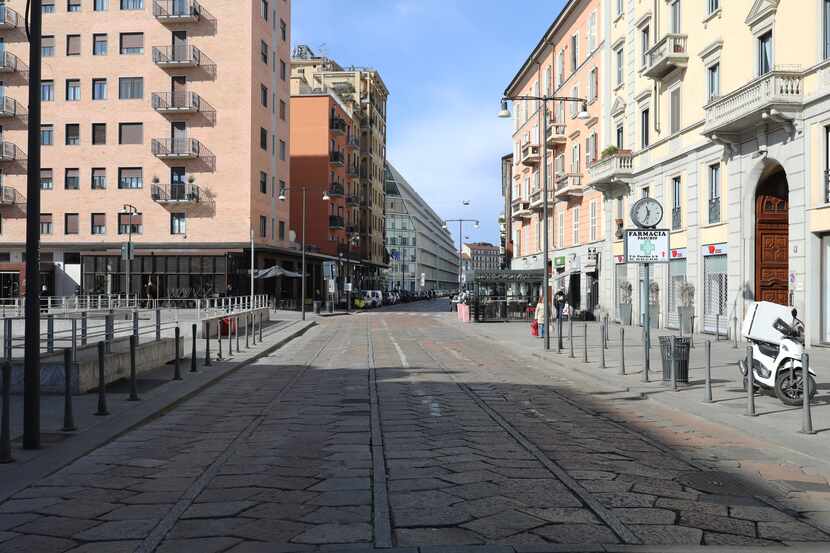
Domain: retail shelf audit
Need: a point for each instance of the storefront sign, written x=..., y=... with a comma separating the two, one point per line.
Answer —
x=647, y=245
x=619, y=259
x=574, y=263
x=678, y=253
x=592, y=261
x=714, y=249
x=559, y=261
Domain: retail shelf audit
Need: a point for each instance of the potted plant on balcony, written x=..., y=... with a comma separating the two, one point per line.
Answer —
x=654, y=304
x=687, y=306
x=155, y=188
x=609, y=151
x=625, y=302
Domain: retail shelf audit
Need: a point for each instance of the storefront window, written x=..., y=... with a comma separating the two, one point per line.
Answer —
x=714, y=294
x=825, y=288
x=677, y=276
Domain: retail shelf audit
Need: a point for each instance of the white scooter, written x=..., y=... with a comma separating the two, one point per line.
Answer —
x=777, y=346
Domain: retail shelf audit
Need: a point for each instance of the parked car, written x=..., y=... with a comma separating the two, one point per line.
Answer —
x=374, y=298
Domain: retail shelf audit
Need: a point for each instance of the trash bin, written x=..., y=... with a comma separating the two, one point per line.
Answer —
x=317, y=304
x=680, y=360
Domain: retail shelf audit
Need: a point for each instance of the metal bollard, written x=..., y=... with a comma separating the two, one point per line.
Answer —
x=193, y=350
x=135, y=323
x=219, y=338
x=692, y=333
x=230, y=336
x=102, y=383
x=177, y=370
x=252, y=319
x=158, y=324
x=807, y=419
x=260, y=328
x=7, y=339
x=673, y=365
x=68, y=417
x=707, y=390
x=133, y=381
x=109, y=330
x=571, y=336
x=5, y=423
x=585, y=344
x=717, y=328
x=236, y=332
x=83, y=328
x=50, y=333
x=602, y=351
x=207, y=344
x=74, y=343
x=622, y=350
x=735, y=332
x=750, y=384
x=247, y=331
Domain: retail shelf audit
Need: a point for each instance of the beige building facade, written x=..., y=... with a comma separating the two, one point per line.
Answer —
x=178, y=108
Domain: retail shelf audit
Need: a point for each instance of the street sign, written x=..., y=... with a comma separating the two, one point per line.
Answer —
x=128, y=251
x=332, y=287
x=647, y=246
x=330, y=270
x=347, y=287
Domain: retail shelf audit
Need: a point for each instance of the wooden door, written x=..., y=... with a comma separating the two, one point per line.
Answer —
x=771, y=249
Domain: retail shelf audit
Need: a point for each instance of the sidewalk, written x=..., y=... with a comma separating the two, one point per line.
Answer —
x=768, y=445
x=157, y=390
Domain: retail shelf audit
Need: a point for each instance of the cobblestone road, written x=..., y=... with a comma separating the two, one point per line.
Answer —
x=389, y=429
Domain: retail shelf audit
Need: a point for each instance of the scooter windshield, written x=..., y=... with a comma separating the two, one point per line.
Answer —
x=783, y=327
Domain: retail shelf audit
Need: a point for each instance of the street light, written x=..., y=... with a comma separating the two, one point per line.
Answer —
x=460, y=237
x=583, y=114
x=129, y=210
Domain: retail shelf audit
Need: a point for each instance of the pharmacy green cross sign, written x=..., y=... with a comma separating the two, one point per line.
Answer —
x=647, y=246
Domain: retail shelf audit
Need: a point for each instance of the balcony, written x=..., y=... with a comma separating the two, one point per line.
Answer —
x=10, y=108
x=611, y=171
x=568, y=186
x=8, y=195
x=354, y=141
x=763, y=100
x=352, y=201
x=336, y=158
x=336, y=190
x=556, y=134
x=536, y=200
x=337, y=125
x=177, y=11
x=352, y=171
x=179, y=148
x=9, y=152
x=9, y=63
x=665, y=56
x=8, y=18
x=521, y=209
x=181, y=56
x=175, y=193
x=531, y=155
x=336, y=222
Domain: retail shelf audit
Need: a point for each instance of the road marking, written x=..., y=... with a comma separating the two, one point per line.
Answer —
x=380, y=495
x=401, y=354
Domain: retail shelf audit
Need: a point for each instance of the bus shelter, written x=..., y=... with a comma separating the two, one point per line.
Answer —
x=506, y=295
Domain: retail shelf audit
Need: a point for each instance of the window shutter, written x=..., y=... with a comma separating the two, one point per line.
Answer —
x=131, y=172
x=47, y=41
x=675, y=110
x=45, y=173
x=99, y=172
x=45, y=218
x=131, y=133
x=99, y=133
x=99, y=219
x=71, y=222
x=72, y=173
x=132, y=40
x=73, y=45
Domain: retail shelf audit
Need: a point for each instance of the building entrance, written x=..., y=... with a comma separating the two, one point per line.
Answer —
x=772, y=238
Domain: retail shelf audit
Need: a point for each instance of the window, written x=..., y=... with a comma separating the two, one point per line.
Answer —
x=263, y=95
x=130, y=88
x=645, y=43
x=132, y=43
x=178, y=223
x=575, y=229
x=99, y=133
x=714, y=193
x=73, y=45
x=593, y=85
x=619, y=55
x=592, y=32
x=73, y=90
x=594, y=221
x=263, y=9
x=263, y=51
x=282, y=150
x=283, y=70
x=674, y=16
x=674, y=100
x=72, y=179
x=47, y=135
x=283, y=30
x=130, y=177
x=826, y=17
x=73, y=5
x=130, y=133
x=765, y=53
x=574, y=52
x=47, y=46
x=99, y=223
x=263, y=226
x=282, y=230
x=575, y=158
x=644, y=128
x=46, y=182
x=675, y=195
x=132, y=4
x=47, y=91
x=46, y=223
x=48, y=6
x=263, y=139
x=130, y=223
x=713, y=81
x=100, y=5
x=99, y=89
x=99, y=178
x=713, y=6
x=71, y=223
x=263, y=182
x=645, y=192
x=620, y=136
x=73, y=134
x=575, y=106
x=282, y=110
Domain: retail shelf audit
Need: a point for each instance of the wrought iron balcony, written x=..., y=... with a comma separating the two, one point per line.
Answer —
x=556, y=134
x=180, y=102
x=9, y=63
x=762, y=100
x=175, y=193
x=177, y=11
x=8, y=195
x=569, y=185
x=352, y=171
x=531, y=154
x=10, y=152
x=537, y=199
x=714, y=210
x=676, y=220
x=8, y=18
x=336, y=190
x=337, y=125
x=9, y=107
x=664, y=57
x=611, y=171
x=179, y=148
x=181, y=55
x=336, y=158
x=336, y=222
x=352, y=200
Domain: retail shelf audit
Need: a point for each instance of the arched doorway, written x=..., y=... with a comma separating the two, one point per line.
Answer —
x=772, y=236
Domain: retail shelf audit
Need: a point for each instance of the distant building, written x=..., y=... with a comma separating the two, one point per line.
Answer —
x=505, y=221
x=421, y=251
x=483, y=256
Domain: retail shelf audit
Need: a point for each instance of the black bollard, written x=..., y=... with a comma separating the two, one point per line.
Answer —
x=692, y=333
x=253, y=328
x=83, y=328
x=807, y=419
x=673, y=364
x=571, y=336
x=602, y=349
x=102, y=383
x=585, y=343
x=230, y=336
x=219, y=338
x=133, y=379
x=622, y=350
x=247, y=331
x=177, y=370
x=207, y=344
x=707, y=391
x=750, y=384
x=68, y=417
x=5, y=423
x=559, y=346
x=193, y=350
x=236, y=332
x=260, y=328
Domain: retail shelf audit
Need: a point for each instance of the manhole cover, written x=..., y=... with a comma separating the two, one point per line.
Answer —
x=720, y=483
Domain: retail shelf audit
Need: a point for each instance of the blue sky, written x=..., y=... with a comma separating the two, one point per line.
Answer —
x=446, y=64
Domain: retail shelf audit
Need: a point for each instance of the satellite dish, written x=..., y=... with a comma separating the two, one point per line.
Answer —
x=292, y=236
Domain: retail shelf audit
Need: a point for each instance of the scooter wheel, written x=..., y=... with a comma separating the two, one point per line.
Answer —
x=789, y=387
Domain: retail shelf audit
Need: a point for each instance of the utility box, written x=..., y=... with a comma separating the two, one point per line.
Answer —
x=759, y=322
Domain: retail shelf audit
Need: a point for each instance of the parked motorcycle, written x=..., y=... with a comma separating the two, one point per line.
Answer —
x=777, y=339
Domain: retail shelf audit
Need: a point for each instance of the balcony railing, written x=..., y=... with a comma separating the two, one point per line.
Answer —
x=531, y=154
x=177, y=11
x=337, y=125
x=182, y=55
x=352, y=200
x=179, y=102
x=335, y=157
x=610, y=171
x=336, y=190
x=569, y=185
x=537, y=197
x=179, y=148
x=9, y=63
x=714, y=210
x=336, y=222
x=354, y=141
x=521, y=209
x=556, y=134
x=10, y=152
x=8, y=18
x=9, y=107
x=175, y=193
x=664, y=57
x=8, y=195
x=352, y=171
x=751, y=104
x=676, y=221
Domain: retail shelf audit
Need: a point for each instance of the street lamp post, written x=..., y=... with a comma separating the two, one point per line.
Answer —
x=583, y=114
x=460, y=237
x=130, y=210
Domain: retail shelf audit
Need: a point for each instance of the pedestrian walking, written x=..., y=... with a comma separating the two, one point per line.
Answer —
x=539, y=314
